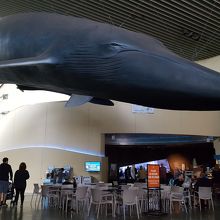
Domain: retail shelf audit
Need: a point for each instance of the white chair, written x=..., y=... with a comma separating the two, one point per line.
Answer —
x=142, y=199
x=53, y=195
x=130, y=198
x=36, y=192
x=177, y=195
x=165, y=197
x=98, y=199
x=43, y=196
x=205, y=193
x=80, y=197
x=188, y=197
x=66, y=196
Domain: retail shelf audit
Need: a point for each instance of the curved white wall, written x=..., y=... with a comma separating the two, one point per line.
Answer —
x=80, y=129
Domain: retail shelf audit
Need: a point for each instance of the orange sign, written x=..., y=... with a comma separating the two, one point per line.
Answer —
x=153, y=174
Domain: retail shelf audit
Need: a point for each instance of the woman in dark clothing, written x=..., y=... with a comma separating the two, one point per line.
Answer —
x=20, y=178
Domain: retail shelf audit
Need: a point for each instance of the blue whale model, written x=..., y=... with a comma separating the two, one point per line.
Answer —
x=95, y=62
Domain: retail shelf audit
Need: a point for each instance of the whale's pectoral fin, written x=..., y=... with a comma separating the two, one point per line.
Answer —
x=30, y=61
x=100, y=101
x=77, y=100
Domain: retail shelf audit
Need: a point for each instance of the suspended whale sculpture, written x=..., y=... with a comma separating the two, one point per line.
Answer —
x=95, y=62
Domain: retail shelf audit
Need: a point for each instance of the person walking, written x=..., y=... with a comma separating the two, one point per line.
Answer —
x=127, y=174
x=163, y=174
x=21, y=175
x=133, y=173
x=142, y=175
x=5, y=171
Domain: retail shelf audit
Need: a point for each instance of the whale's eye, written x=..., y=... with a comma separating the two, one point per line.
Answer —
x=110, y=49
x=119, y=46
x=115, y=44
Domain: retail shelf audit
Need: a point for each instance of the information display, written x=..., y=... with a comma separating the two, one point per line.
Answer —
x=93, y=166
x=153, y=176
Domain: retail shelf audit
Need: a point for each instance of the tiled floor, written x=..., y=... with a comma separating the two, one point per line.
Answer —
x=28, y=213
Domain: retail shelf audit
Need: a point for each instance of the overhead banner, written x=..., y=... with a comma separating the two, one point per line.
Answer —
x=153, y=176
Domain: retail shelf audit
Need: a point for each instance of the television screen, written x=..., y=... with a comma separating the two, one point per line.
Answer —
x=93, y=166
x=159, y=162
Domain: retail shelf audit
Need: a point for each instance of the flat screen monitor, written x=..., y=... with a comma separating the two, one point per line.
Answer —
x=93, y=166
x=158, y=162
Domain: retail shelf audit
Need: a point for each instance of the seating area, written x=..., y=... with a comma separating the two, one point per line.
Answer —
x=123, y=201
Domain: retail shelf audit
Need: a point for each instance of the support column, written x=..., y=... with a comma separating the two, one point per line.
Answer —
x=216, y=144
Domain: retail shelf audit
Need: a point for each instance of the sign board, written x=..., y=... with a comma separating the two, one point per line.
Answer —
x=153, y=176
x=142, y=109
